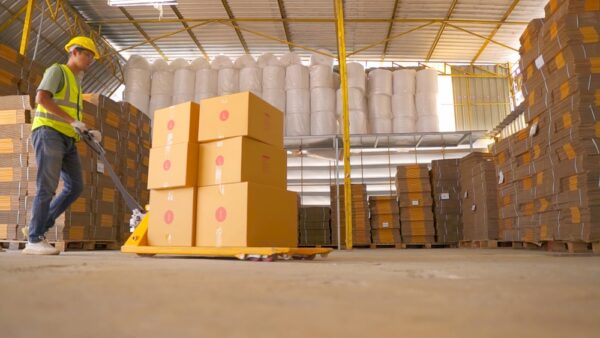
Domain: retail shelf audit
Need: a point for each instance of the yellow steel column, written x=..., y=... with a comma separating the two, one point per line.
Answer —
x=339, y=13
x=26, y=28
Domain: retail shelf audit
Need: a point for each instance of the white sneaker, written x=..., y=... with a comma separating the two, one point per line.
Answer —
x=40, y=248
x=25, y=231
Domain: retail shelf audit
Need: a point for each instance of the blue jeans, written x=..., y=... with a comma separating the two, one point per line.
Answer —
x=56, y=157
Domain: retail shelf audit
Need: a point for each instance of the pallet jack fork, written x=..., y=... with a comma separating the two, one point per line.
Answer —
x=138, y=240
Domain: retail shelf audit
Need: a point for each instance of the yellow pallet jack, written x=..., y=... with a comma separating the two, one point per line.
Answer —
x=138, y=240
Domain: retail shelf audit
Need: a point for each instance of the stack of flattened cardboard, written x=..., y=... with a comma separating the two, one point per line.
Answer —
x=361, y=228
x=218, y=179
x=479, y=197
x=315, y=226
x=413, y=187
x=385, y=220
x=445, y=178
x=18, y=75
x=558, y=163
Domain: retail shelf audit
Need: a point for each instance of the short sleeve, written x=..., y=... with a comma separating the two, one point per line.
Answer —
x=53, y=80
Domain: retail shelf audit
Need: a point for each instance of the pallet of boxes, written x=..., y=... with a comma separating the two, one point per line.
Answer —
x=361, y=227
x=445, y=180
x=19, y=75
x=558, y=160
x=218, y=176
x=413, y=188
x=314, y=227
x=385, y=221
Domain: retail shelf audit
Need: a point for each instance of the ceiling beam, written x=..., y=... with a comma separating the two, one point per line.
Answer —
x=286, y=27
x=389, y=32
x=441, y=31
x=191, y=34
x=234, y=22
x=483, y=37
x=395, y=36
x=144, y=34
x=495, y=30
x=13, y=17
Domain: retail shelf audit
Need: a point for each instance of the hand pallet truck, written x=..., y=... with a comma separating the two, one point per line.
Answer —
x=138, y=240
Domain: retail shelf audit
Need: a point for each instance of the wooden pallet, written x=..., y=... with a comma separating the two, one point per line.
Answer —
x=484, y=244
x=434, y=245
x=381, y=245
x=560, y=246
x=66, y=245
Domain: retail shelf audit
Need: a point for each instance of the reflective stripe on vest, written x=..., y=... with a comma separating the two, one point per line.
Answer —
x=68, y=98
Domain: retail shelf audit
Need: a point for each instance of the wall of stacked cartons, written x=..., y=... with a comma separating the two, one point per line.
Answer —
x=19, y=75
x=385, y=220
x=445, y=180
x=361, y=227
x=314, y=227
x=413, y=187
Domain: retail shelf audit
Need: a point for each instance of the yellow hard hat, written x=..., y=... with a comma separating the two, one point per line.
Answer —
x=83, y=42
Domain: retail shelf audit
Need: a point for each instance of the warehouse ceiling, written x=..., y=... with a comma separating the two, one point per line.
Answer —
x=455, y=31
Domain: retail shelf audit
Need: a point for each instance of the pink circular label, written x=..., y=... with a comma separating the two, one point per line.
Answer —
x=220, y=160
x=170, y=125
x=224, y=115
x=221, y=214
x=169, y=216
x=167, y=165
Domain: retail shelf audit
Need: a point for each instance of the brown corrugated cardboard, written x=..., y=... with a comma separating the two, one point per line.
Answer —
x=173, y=166
x=176, y=124
x=172, y=219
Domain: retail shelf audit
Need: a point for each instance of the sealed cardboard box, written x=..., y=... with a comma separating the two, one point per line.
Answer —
x=246, y=215
x=176, y=124
x=172, y=220
x=173, y=166
x=242, y=114
x=241, y=159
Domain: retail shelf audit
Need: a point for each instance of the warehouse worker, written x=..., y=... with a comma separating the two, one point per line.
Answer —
x=57, y=121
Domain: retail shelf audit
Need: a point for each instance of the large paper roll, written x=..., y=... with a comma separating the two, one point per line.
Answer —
x=251, y=80
x=380, y=82
x=297, y=77
x=427, y=81
x=228, y=81
x=404, y=124
x=404, y=81
x=297, y=101
x=297, y=124
x=380, y=106
x=206, y=84
x=321, y=77
x=356, y=100
x=359, y=122
x=275, y=97
x=162, y=78
x=323, y=123
x=158, y=102
x=273, y=77
x=184, y=81
x=322, y=100
x=380, y=125
x=426, y=104
x=428, y=123
x=138, y=100
x=403, y=105
x=357, y=78
x=321, y=60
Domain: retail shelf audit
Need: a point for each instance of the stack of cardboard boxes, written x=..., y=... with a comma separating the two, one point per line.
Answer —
x=479, y=197
x=218, y=177
x=385, y=220
x=361, y=227
x=445, y=177
x=314, y=227
x=413, y=187
x=18, y=74
x=557, y=164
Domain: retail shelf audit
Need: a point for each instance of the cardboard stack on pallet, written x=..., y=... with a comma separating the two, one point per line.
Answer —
x=413, y=187
x=479, y=197
x=445, y=178
x=18, y=75
x=559, y=161
x=361, y=227
x=385, y=220
x=218, y=179
x=314, y=227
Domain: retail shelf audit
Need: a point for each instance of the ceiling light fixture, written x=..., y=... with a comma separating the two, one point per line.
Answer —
x=125, y=3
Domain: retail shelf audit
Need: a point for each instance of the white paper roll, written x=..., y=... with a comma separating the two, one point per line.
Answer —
x=359, y=122
x=322, y=100
x=275, y=97
x=403, y=105
x=228, y=81
x=321, y=77
x=138, y=100
x=158, y=102
x=206, y=84
x=184, y=81
x=380, y=106
x=356, y=76
x=245, y=61
x=221, y=61
x=297, y=101
x=428, y=123
x=296, y=77
x=404, y=81
x=356, y=100
x=138, y=80
x=380, y=82
x=323, y=123
x=162, y=78
x=323, y=60
x=380, y=125
x=297, y=124
x=251, y=80
x=199, y=96
x=426, y=104
x=427, y=81
x=273, y=77
x=404, y=124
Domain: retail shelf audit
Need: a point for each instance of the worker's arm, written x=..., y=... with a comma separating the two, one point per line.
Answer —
x=44, y=98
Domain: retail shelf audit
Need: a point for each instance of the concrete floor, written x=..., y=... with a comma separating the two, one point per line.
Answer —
x=362, y=293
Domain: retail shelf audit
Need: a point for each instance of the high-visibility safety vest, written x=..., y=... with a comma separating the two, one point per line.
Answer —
x=68, y=99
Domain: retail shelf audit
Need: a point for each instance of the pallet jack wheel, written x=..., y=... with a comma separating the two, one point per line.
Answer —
x=310, y=257
x=146, y=255
x=269, y=258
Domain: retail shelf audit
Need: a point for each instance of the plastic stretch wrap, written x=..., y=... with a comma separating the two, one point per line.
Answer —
x=356, y=100
x=162, y=78
x=289, y=59
x=427, y=81
x=380, y=82
x=297, y=101
x=273, y=77
x=380, y=106
x=323, y=123
x=297, y=124
x=357, y=78
x=321, y=77
x=184, y=81
x=426, y=103
x=245, y=61
x=322, y=100
x=322, y=60
x=428, y=123
x=228, y=81
x=251, y=80
x=137, y=75
x=404, y=81
x=296, y=77
x=138, y=100
x=380, y=125
x=158, y=102
x=404, y=124
x=206, y=84
x=404, y=105
x=276, y=97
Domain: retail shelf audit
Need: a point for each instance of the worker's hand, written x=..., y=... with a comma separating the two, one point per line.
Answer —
x=96, y=135
x=79, y=126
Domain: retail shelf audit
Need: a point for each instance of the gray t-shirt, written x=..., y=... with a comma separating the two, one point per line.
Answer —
x=53, y=80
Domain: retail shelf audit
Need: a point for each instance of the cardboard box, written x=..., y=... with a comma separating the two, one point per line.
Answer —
x=241, y=159
x=176, y=124
x=172, y=219
x=173, y=166
x=246, y=215
x=242, y=114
